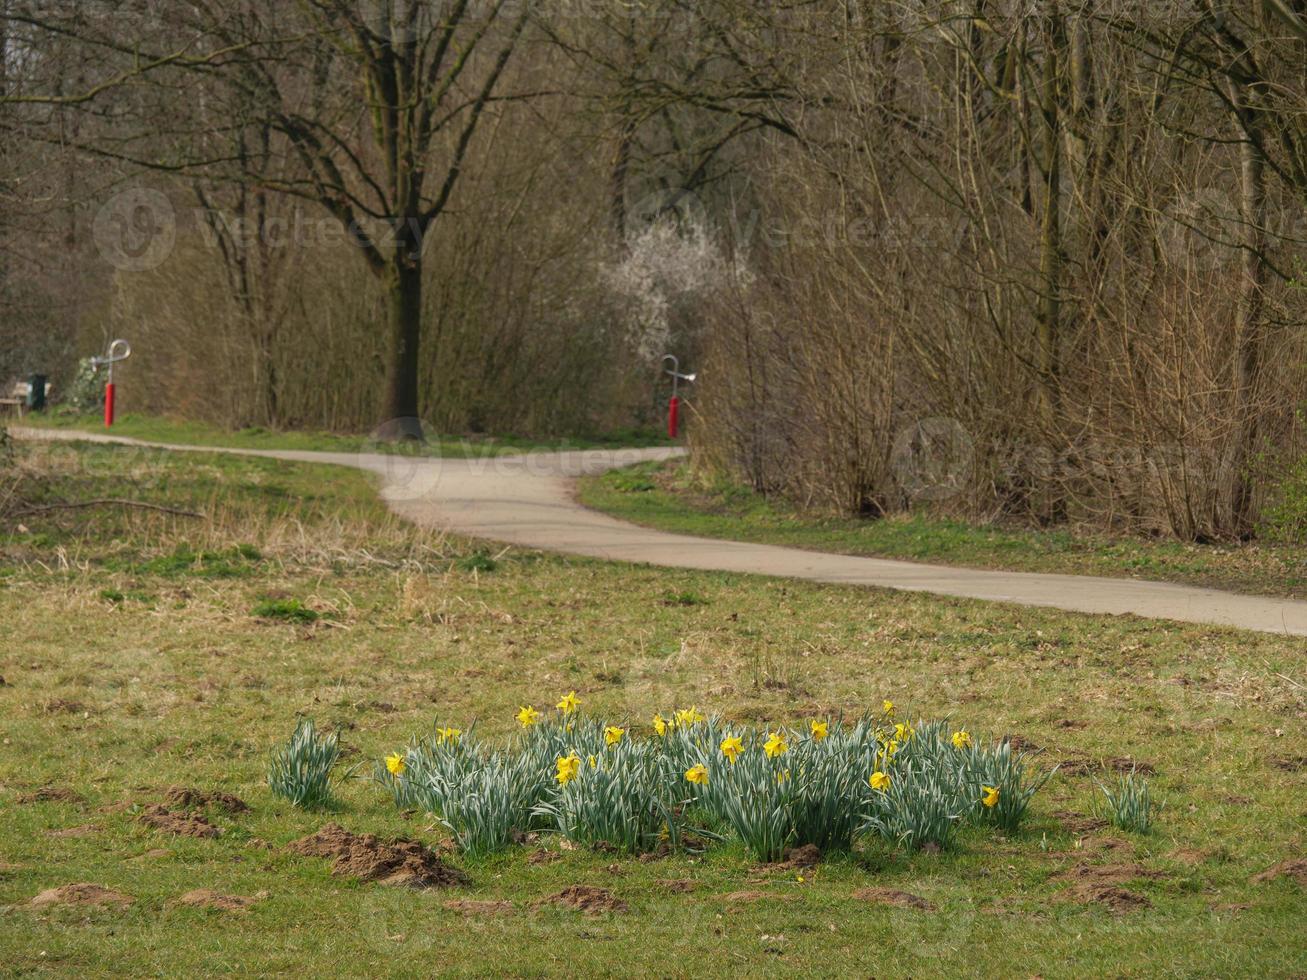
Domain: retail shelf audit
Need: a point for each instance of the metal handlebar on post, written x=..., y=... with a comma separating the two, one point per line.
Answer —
x=674, y=406
x=119, y=350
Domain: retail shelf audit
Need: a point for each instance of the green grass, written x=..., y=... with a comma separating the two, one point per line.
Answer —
x=190, y=433
x=671, y=497
x=122, y=677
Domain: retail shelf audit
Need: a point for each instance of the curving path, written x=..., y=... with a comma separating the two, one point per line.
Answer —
x=528, y=500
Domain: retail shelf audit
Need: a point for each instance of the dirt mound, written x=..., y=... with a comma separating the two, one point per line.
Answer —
x=80, y=893
x=181, y=824
x=1078, y=823
x=471, y=907
x=207, y=898
x=541, y=856
x=1295, y=868
x=51, y=794
x=804, y=856
x=1112, y=874
x=399, y=862
x=1113, y=896
x=587, y=899
x=1102, y=884
x=892, y=896
x=189, y=798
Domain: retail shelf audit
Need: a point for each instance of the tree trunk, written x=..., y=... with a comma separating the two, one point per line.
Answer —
x=1249, y=324
x=399, y=403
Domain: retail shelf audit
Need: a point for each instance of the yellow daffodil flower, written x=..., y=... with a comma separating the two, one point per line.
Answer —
x=962, y=740
x=775, y=745
x=782, y=776
x=879, y=781
x=450, y=735
x=989, y=795
x=395, y=763
x=527, y=716
x=902, y=731
x=888, y=708
x=569, y=703
x=819, y=730
x=891, y=748
x=688, y=716
x=594, y=763
x=568, y=767
x=661, y=726
x=732, y=746
x=697, y=774
x=613, y=734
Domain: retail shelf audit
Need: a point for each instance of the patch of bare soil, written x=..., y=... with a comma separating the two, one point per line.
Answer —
x=1295, y=868
x=795, y=858
x=1103, y=884
x=84, y=830
x=81, y=893
x=471, y=907
x=398, y=862
x=51, y=794
x=1190, y=855
x=1078, y=823
x=1019, y=743
x=1290, y=763
x=541, y=856
x=587, y=899
x=892, y=896
x=677, y=886
x=181, y=824
x=207, y=898
x=189, y=798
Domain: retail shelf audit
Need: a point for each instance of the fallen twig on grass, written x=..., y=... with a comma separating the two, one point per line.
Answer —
x=106, y=502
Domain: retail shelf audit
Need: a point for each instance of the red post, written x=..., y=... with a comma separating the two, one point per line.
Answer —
x=108, y=405
x=673, y=417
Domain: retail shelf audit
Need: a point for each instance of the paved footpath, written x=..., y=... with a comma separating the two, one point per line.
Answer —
x=529, y=500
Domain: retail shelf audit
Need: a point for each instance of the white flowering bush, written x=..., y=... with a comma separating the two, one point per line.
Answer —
x=824, y=784
x=667, y=264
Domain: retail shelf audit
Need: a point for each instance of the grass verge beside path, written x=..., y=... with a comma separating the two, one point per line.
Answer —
x=669, y=497
x=145, y=650
x=157, y=429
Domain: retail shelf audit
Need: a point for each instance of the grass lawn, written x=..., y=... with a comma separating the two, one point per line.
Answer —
x=133, y=661
x=671, y=497
x=156, y=429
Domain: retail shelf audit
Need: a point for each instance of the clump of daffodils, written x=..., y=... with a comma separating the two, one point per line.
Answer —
x=639, y=788
x=301, y=770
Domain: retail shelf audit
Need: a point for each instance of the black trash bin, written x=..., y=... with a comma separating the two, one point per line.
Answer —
x=36, y=393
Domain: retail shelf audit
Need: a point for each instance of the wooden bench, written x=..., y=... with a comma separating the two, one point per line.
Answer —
x=16, y=399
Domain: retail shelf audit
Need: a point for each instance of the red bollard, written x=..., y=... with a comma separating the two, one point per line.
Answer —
x=673, y=417
x=108, y=405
